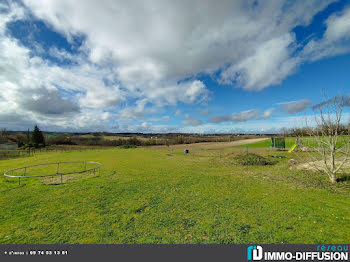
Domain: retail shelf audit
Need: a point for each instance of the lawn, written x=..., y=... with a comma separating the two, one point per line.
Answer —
x=290, y=141
x=144, y=195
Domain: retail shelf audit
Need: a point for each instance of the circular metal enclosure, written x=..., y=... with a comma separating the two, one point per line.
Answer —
x=94, y=168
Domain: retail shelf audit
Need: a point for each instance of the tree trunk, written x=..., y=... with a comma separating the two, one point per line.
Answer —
x=333, y=167
x=334, y=178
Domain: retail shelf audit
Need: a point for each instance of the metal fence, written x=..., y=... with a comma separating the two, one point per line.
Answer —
x=57, y=169
x=7, y=154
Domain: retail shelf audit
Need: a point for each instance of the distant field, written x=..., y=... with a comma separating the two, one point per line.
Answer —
x=147, y=195
x=123, y=137
x=212, y=145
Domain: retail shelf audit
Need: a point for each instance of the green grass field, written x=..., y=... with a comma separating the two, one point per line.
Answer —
x=290, y=141
x=144, y=195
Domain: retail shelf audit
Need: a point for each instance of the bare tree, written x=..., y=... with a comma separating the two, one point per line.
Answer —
x=328, y=145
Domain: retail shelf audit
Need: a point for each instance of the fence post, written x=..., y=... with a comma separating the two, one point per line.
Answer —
x=19, y=181
x=25, y=171
x=61, y=179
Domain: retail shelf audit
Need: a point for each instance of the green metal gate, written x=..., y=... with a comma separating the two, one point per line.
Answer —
x=278, y=142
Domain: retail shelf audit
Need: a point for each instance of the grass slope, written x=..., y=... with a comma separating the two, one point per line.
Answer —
x=162, y=196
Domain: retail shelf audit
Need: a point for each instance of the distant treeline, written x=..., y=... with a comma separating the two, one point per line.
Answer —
x=319, y=130
x=36, y=138
x=164, y=140
x=28, y=139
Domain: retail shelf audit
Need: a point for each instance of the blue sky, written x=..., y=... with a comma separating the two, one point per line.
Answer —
x=203, y=66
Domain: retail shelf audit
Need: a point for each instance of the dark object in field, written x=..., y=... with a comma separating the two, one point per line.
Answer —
x=186, y=151
x=253, y=160
x=275, y=156
x=128, y=146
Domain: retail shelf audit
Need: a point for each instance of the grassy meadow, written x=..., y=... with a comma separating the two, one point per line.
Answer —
x=307, y=141
x=160, y=195
x=290, y=141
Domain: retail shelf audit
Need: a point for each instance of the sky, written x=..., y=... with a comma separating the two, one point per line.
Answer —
x=160, y=66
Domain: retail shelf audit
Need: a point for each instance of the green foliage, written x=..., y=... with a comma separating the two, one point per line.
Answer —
x=20, y=139
x=28, y=138
x=128, y=146
x=253, y=159
x=38, y=137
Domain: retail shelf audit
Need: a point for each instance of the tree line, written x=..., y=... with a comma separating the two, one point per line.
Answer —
x=33, y=138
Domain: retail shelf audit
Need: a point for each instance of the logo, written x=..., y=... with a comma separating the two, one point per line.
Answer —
x=323, y=253
x=255, y=253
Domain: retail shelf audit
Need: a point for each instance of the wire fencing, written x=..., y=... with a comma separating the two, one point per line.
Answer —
x=8, y=154
x=53, y=169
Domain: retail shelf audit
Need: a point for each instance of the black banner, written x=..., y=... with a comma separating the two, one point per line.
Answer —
x=154, y=253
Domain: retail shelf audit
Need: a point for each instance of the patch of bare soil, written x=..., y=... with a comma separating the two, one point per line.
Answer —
x=318, y=165
x=55, y=180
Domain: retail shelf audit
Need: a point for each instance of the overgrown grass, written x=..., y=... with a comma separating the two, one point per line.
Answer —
x=253, y=159
x=151, y=196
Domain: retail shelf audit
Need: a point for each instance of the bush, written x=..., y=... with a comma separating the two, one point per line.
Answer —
x=60, y=140
x=253, y=160
x=128, y=146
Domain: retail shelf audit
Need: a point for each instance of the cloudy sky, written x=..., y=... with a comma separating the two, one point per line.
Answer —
x=169, y=66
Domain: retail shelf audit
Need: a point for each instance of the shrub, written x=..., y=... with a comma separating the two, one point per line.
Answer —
x=253, y=160
x=128, y=146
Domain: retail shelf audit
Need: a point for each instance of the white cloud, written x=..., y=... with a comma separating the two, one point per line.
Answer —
x=338, y=26
x=191, y=121
x=46, y=101
x=150, y=45
x=36, y=91
x=269, y=65
x=39, y=89
x=136, y=59
x=146, y=127
x=267, y=113
x=295, y=106
x=191, y=92
x=219, y=119
x=163, y=118
x=204, y=112
x=135, y=112
x=242, y=116
x=336, y=39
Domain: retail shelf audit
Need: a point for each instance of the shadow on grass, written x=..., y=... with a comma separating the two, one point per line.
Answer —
x=343, y=178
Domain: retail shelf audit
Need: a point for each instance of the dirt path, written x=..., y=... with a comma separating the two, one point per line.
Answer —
x=213, y=145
